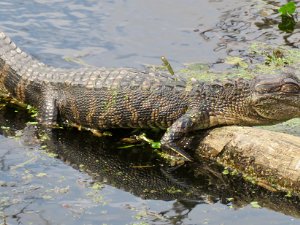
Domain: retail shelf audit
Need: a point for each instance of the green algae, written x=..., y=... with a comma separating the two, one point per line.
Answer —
x=270, y=60
x=255, y=204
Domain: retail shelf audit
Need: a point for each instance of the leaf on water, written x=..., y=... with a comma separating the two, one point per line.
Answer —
x=287, y=9
x=141, y=167
x=155, y=144
x=225, y=172
x=126, y=146
x=23, y=164
x=107, y=133
x=236, y=61
x=32, y=123
x=5, y=128
x=255, y=205
x=47, y=197
x=52, y=155
x=41, y=175
x=289, y=194
x=97, y=186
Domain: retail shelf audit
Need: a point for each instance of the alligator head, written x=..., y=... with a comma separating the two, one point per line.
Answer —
x=277, y=98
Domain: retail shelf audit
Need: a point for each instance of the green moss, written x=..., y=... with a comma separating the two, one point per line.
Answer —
x=274, y=57
x=236, y=61
x=270, y=60
x=267, y=179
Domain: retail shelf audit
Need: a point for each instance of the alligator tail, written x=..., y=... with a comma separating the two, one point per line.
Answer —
x=17, y=69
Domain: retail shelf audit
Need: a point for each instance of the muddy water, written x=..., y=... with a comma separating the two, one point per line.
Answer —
x=74, y=178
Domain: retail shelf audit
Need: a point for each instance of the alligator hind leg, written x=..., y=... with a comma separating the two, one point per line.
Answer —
x=47, y=110
x=188, y=122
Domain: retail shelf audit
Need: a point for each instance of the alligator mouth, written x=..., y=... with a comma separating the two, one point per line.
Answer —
x=288, y=111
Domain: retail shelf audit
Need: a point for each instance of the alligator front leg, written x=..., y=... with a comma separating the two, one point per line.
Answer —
x=190, y=121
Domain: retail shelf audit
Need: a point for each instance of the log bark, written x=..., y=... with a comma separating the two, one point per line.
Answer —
x=269, y=158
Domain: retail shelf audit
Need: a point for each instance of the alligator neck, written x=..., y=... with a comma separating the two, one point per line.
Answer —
x=229, y=102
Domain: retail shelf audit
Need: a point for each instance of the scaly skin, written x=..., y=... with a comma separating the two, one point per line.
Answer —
x=102, y=98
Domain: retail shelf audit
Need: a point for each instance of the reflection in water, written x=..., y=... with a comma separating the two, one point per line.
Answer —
x=197, y=183
x=137, y=171
x=287, y=24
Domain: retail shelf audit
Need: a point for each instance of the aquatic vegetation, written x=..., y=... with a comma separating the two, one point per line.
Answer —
x=287, y=13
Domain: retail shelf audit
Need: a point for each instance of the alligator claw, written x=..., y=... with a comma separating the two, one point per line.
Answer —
x=180, y=152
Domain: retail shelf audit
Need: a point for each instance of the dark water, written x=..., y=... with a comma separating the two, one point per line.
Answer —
x=74, y=178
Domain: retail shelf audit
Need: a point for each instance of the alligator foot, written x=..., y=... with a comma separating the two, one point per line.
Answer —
x=180, y=153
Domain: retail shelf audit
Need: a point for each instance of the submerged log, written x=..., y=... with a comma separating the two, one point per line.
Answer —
x=271, y=159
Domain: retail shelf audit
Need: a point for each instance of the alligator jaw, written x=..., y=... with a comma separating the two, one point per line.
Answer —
x=277, y=98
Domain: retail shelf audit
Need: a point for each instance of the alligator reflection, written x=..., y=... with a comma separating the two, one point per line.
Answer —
x=137, y=171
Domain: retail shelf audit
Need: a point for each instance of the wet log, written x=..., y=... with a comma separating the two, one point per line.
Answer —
x=269, y=158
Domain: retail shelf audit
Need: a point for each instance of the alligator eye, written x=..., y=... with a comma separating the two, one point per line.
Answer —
x=267, y=88
x=290, y=88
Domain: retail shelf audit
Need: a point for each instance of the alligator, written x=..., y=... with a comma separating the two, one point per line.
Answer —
x=105, y=98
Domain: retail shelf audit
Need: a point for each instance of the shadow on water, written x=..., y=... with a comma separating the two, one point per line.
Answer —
x=139, y=172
